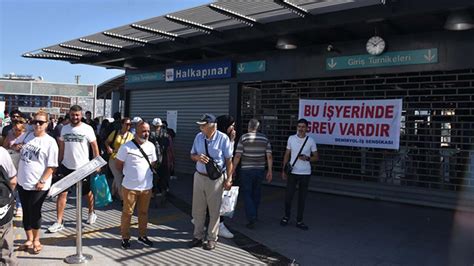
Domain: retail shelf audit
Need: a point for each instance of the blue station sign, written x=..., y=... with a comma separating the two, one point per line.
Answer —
x=399, y=58
x=214, y=70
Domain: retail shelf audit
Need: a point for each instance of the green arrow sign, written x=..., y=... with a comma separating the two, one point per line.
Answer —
x=410, y=57
x=144, y=77
x=251, y=67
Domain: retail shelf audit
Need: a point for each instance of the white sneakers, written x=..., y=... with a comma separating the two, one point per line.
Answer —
x=224, y=232
x=92, y=218
x=56, y=227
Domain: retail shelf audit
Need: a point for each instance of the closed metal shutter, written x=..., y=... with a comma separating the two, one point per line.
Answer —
x=191, y=103
x=434, y=165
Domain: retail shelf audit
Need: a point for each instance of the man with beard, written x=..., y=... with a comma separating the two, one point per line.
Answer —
x=136, y=160
x=73, y=154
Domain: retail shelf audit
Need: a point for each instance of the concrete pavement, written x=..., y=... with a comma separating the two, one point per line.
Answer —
x=343, y=231
x=169, y=228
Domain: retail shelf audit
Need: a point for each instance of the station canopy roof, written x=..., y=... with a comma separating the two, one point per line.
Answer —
x=228, y=28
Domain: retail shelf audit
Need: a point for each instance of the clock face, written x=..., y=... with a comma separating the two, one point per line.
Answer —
x=375, y=45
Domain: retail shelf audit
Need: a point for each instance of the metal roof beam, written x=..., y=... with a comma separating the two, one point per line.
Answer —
x=78, y=48
x=103, y=44
x=249, y=21
x=50, y=56
x=191, y=24
x=53, y=51
x=125, y=38
x=164, y=34
x=292, y=7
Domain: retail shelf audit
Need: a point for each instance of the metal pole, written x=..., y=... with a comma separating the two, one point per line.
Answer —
x=78, y=258
x=94, y=102
x=79, y=219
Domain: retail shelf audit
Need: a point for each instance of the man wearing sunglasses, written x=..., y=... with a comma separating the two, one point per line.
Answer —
x=14, y=115
x=73, y=154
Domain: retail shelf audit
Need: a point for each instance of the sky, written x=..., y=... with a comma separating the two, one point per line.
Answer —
x=28, y=25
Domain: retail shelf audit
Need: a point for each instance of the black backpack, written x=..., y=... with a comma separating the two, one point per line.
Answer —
x=6, y=198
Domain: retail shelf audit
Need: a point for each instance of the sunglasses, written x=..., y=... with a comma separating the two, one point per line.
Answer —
x=36, y=122
x=127, y=124
x=18, y=122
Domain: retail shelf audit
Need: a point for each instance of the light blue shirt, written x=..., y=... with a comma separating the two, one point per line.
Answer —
x=219, y=149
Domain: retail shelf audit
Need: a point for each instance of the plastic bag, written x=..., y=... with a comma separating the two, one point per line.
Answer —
x=101, y=191
x=229, y=201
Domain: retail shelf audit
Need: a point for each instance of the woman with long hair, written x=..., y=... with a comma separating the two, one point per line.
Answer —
x=17, y=133
x=38, y=159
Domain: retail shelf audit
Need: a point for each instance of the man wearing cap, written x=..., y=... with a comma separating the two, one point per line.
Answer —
x=135, y=122
x=207, y=193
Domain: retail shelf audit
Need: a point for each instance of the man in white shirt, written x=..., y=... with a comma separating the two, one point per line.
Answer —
x=73, y=154
x=301, y=162
x=136, y=159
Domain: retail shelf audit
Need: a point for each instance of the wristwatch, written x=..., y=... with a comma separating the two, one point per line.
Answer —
x=42, y=181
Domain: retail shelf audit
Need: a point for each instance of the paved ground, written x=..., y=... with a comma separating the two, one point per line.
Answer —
x=169, y=228
x=343, y=231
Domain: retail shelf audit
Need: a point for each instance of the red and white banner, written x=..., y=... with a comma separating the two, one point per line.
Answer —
x=360, y=123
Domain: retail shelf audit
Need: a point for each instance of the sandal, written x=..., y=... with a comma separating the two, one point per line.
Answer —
x=37, y=248
x=284, y=221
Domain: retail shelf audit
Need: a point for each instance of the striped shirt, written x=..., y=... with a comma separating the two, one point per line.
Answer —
x=253, y=148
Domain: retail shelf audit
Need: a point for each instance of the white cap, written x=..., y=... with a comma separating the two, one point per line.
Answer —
x=157, y=122
x=136, y=119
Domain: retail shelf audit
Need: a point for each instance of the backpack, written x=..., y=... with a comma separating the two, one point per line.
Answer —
x=6, y=198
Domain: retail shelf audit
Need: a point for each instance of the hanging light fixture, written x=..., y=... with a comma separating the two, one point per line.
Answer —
x=459, y=20
x=286, y=43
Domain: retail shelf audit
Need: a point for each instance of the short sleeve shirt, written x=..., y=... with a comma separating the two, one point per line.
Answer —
x=118, y=141
x=219, y=149
x=76, y=145
x=37, y=154
x=253, y=147
x=7, y=163
x=294, y=144
x=136, y=170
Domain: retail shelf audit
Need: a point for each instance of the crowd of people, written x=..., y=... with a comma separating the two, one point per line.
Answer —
x=140, y=159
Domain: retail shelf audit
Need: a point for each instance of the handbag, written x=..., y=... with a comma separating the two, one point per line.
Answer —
x=229, y=201
x=289, y=166
x=101, y=191
x=213, y=170
x=155, y=174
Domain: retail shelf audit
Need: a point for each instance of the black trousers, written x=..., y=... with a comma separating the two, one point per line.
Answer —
x=32, y=201
x=302, y=181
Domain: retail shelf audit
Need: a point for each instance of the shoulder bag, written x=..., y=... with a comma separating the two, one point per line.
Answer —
x=289, y=166
x=213, y=170
x=146, y=157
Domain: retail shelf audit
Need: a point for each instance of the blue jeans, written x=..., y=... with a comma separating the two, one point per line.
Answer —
x=251, y=184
